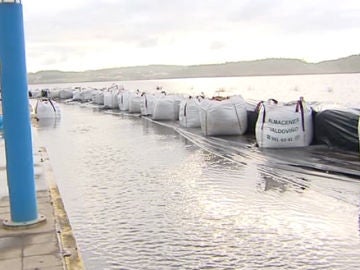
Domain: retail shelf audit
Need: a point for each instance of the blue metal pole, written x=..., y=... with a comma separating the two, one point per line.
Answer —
x=16, y=116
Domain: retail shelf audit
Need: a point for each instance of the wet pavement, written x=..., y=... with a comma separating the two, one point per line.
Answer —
x=149, y=195
x=46, y=245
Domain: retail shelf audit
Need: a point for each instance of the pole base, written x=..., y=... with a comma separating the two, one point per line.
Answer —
x=8, y=224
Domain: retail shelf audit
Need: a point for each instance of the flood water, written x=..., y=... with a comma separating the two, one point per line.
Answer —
x=141, y=195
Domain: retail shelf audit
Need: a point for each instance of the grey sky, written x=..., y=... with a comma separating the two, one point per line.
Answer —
x=89, y=34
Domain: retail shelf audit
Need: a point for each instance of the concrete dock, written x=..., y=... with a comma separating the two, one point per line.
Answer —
x=47, y=245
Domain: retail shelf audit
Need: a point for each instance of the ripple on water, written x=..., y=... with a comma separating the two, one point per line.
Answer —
x=139, y=196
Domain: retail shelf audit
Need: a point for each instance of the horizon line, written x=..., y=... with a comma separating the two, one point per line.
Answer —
x=227, y=62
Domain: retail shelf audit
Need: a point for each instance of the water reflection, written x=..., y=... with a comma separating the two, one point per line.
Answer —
x=150, y=127
x=272, y=184
x=140, y=196
x=46, y=122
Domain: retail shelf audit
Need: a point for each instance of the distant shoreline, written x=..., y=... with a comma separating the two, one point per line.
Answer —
x=266, y=67
x=180, y=78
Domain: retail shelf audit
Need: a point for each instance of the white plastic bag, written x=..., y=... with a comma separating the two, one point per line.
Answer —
x=147, y=104
x=108, y=99
x=189, y=115
x=134, y=102
x=223, y=117
x=54, y=93
x=281, y=126
x=66, y=94
x=98, y=97
x=167, y=108
x=76, y=95
x=46, y=108
x=111, y=99
x=123, y=100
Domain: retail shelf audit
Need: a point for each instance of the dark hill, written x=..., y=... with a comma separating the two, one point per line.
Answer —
x=272, y=66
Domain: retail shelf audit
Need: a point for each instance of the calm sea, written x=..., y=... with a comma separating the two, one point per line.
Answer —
x=142, y=196
x=341, y=89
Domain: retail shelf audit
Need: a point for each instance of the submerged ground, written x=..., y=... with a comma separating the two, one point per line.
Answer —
x=146, y=196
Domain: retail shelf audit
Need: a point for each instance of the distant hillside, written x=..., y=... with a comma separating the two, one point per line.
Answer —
x=273, y=66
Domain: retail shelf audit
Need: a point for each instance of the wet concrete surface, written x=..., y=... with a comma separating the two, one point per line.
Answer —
x=149, y=195
x=38, y=246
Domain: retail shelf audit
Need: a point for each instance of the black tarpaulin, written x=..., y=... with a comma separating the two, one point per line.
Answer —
x=338, y=128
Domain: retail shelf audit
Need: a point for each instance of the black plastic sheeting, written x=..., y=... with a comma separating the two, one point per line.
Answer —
x=320, y=160
x=337, y=128
x=295, y=164
x=252, y=116
x=313, y=166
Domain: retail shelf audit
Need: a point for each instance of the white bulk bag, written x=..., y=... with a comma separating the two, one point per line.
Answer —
x=167, y=108
x=123, y=100
x=134, y=102
x=77, y=95
x=47, y=108
x=224, y=117
x=147, y=104
x=115, y=102
x=65, y=94
x=111, y=99
x=281, y=126
x=98, y=97
x=86, y=95
x=107, y=99
x=189, y=114
x=54, y=93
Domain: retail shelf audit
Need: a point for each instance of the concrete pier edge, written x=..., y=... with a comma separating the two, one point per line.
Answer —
x=67, y=241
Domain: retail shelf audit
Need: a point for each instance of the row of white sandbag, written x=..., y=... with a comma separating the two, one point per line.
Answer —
x=228, y=117
x=159, y=106
x=215, y=118
x=277, y=125
x=77, y=94
x=53, y=93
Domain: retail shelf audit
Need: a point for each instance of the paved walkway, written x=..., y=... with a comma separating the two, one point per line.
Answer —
x=48, y=245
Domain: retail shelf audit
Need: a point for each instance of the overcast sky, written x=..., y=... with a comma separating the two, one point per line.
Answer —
x=93, y=34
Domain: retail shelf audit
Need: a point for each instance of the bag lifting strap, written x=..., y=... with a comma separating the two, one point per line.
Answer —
x=257, y=109
x=299, y=105
x=52, y=105
x=190, y=97
x=262, y=103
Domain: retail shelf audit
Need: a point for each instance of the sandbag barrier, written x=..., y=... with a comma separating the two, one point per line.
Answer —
x=45, y=108
x=273, y=125
x=189, y=113
x=223, y=117
x=167, y=108
x=338, y=128
x=283, y=125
